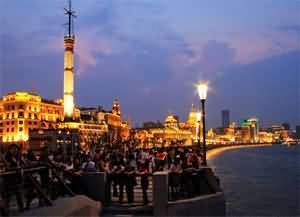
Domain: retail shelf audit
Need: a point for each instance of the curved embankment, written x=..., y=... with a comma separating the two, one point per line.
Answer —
x=214, y=152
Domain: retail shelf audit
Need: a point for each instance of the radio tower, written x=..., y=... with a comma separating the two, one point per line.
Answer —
x=69, y=41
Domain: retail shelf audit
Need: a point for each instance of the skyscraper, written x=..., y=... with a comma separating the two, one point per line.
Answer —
x=69, y=41
x=225, y=118
x=298, y=131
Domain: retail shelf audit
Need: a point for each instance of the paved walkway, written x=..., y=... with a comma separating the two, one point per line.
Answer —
x=138, y=194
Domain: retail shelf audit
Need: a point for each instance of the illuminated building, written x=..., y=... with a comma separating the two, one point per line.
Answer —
x=254, y=130
x=85, y=136
x=225, y=118
x=117, y=129
x=242, y=134
x=1, y=120
x=163, y=136
x=276, y=130
x=286, y=126
x=94, y=128
x=192, y=118
x=21, y=112
x=193, y=123
x=265, y=137
x=249, y=131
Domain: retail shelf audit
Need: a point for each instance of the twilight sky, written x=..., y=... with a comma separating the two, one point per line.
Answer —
x=149, y=54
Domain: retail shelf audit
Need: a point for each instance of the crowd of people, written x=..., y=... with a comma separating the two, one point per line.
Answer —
x=121, y=166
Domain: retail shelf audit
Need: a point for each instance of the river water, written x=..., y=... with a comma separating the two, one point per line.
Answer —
x=262, y=181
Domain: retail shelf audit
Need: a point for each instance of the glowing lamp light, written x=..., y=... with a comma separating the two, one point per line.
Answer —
x=202, y=90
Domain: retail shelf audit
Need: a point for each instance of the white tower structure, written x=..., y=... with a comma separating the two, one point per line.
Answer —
x=69, y=41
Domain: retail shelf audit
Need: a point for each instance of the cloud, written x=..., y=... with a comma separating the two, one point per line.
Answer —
x=203, y=61
x=209, y=58
x=289, y=28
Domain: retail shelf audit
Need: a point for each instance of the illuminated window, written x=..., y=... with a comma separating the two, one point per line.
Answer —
x=12, y=123
x=21, y=129
x=13, y=107
x=12, y=129
x=21, y=122
x=7, y=130
x=21, y=114
x=21, y=106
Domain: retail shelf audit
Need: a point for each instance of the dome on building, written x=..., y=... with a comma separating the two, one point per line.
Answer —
x=171, y=121
x=192, y=118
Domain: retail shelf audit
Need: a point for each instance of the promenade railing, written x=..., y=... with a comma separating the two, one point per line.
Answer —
x=134, y=189
x=42, y=181
x=192, y=183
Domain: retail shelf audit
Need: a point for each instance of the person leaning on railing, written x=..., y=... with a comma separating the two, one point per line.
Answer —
x=175, y=172
x=143, y=171
x=130, y=182
x=30, y=160
x=120, y=178
x=13, y=182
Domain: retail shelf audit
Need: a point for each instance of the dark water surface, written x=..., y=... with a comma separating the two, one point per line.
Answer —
x=260, y=181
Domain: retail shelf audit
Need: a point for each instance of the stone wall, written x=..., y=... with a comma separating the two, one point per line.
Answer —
x=208, y=205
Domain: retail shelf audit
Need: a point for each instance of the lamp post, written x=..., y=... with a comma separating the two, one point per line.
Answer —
x=202, y=91
x=198, y=132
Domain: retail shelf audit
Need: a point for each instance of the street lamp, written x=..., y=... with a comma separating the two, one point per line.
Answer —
x=202, y=92
x=198, y=134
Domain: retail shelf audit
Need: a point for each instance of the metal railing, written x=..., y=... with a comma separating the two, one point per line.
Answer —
x=129, y=189
x=188, y=184
x=42, y=181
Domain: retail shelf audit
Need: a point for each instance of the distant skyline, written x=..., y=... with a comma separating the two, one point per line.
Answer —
x=149, y=54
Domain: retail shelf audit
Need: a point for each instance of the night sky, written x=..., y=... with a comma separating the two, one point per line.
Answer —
x=150, y=53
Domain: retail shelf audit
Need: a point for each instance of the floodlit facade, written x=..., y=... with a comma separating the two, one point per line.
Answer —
x=171, y=133
x=21, y=112
x=69, y=138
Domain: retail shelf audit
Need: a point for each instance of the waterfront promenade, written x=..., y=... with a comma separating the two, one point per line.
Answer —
x=214, y=150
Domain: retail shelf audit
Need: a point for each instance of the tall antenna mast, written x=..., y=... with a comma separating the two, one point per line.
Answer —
x=71, y=14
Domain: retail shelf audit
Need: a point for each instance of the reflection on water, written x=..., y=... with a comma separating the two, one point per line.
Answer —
x=260, y=181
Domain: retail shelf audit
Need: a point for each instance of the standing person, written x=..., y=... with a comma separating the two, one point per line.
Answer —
x=89, y=164
x=108, y=169
x=13, y=182
x=143, y=171
x=120, y=177
x=130, y=182
x=45, y=158
x=113, y=175
x=30, y=190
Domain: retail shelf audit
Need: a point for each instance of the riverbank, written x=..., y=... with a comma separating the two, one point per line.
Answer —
x=215, y=151
x=260, y=181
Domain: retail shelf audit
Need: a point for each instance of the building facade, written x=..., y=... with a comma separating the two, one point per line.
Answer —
x=172, y=133
x=21, y=112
